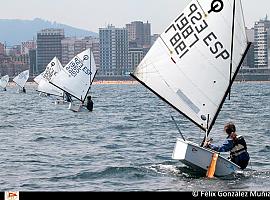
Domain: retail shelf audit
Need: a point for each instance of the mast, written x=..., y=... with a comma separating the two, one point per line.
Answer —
x=231, y=80
x=74, y=78
x=232, y=43
x=89, y=76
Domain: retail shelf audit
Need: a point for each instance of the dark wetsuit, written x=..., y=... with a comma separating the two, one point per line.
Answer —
x=89, y=104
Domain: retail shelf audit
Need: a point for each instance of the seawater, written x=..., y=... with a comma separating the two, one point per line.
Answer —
x=125, y=144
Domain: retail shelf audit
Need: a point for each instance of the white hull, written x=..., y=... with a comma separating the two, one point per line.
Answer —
x=60, y=102
x=200, y=158
x=76, y=107
x=20, y=91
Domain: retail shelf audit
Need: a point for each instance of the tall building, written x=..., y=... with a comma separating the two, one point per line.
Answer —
x=154, y=37
x=26, y=46
x=113, y=51
x=73, y=46
x=93, y=44
x=70, y=47
x=13, y=50
x=135, y=56
x=147, y=35
x=249, y=59
x=261, y=43
x=2, y=49
x=48, y=46
x=11, y=66
x=140, y=33
x=33, y=61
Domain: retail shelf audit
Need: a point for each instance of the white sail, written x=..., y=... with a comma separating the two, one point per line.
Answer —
x=38, y=78
x=77, y=76
x=43, y=79
x=189, y=64
x=21, y=78
x=89, y=62
x=4, y=81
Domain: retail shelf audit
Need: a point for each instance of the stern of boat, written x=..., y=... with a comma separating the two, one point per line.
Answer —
x=200, y=158
x=75, y=107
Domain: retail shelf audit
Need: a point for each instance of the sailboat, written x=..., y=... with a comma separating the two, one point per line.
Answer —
x=77, y=77
x=43, y=79
x=21, y=80
x=4, y=81
x=192, y=67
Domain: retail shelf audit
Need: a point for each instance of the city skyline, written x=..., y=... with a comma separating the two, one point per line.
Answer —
x=64, y=11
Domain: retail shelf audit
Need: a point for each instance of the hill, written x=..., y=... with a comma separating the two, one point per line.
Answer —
x=15, y=31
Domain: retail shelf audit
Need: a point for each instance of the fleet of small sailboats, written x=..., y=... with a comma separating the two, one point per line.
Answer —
x=73, y=80
x=77, y=77
x=191, y=66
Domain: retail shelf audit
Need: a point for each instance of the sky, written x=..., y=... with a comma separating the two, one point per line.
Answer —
x=93, y=14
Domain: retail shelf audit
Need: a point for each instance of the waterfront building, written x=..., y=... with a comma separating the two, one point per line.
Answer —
x=27, y=46
x=262, y=43
x=249, y=59
x=14, y=50
x=140, y=33
x=48, y=46
x=135, y=56
x=33, y=62
x=10, y=66
x=2, y=49
x=154, y=37
x=72, y=46
x=113, y=51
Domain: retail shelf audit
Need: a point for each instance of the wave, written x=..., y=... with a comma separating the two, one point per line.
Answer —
x=109, y=172
x=6, y=126
x=266, y=149
x=42, y=138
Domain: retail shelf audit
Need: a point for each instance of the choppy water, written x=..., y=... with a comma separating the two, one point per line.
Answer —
x=125, y=144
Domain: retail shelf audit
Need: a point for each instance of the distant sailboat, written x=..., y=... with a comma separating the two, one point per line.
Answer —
x=21, y=80
x=43, y=79
x=76, y=77
x=4, y=81
x=192, y=66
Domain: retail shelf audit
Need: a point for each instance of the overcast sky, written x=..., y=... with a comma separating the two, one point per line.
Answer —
x=93, y=14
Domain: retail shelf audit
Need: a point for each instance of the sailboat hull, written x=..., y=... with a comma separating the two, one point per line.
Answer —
x=200, y=158
x=77, y=107
x=60, y=102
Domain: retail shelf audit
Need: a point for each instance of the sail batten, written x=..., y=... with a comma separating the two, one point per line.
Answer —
x=189, y=64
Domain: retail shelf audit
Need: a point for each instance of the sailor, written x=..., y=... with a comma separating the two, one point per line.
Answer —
x=23, y=90
x=235, y=144
x=68, y=97
x=89, y=103
x=5, y=89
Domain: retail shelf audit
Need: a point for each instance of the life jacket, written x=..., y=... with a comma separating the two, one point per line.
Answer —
x=240, y=147
x=89, y=105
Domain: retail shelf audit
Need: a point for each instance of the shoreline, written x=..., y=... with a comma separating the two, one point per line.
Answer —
x=94, y=83
x=115, y=82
